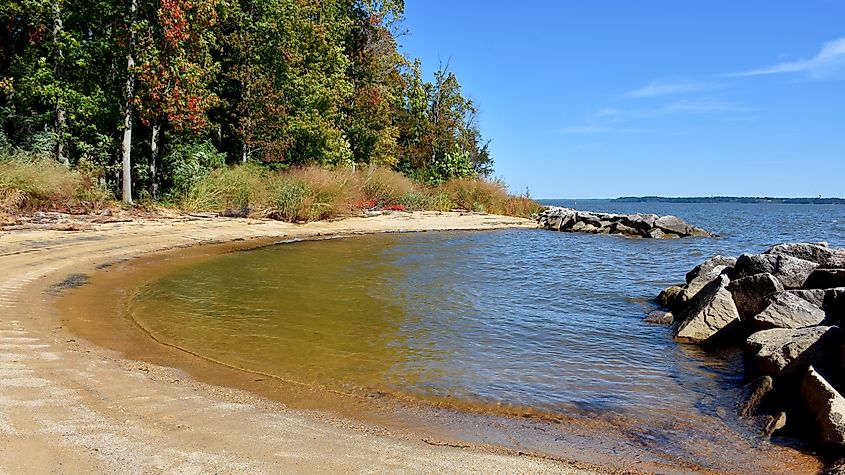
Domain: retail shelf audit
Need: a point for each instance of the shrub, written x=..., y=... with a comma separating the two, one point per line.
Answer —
x=288, y=200
x=187, y=163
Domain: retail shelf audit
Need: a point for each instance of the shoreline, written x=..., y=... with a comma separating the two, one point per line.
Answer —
x=69, y=403
x=413, y=434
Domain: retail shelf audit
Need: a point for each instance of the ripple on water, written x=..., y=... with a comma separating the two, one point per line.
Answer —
x=525, y=318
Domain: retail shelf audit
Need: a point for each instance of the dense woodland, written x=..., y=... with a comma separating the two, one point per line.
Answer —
x=144, y=95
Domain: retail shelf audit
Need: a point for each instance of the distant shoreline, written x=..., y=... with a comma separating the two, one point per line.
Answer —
x=729, y=199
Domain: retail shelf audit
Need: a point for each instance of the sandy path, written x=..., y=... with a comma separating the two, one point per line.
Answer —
x=69, y=407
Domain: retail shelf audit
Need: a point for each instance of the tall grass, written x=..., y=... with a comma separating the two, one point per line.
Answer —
x=313, y=193
x=33, y=182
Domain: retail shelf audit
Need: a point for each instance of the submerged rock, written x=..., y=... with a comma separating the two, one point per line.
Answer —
x=827, y=405
x=711, y=314
x=659, y=317
x=786, y=310
x=758, y=389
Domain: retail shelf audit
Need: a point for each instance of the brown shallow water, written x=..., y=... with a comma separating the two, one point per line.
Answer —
x=309, y=371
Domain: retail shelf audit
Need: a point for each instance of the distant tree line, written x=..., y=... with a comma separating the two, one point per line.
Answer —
x=728, y=199
x=143, y=92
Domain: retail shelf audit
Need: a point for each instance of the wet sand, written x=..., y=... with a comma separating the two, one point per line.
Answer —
x=84, y=389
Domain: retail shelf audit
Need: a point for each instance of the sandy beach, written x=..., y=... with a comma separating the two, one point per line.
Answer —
x=68, y=406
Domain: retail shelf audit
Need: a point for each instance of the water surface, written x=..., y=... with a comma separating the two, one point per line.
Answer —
x=515, y=319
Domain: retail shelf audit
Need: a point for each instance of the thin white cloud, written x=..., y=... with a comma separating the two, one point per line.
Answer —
x=701, y=107
x=828, y=63
x=655, y=89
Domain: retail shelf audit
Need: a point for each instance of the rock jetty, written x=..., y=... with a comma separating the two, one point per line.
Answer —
x=632, y=225
x=786, y=309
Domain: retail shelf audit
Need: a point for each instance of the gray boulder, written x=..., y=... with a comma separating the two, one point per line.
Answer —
x=787, y=310
x=710, y=264
x=749, y=293
x=793, y=272
x=672, y=224
x=827, y=405
x=787, y=352
x=710, y=315
x=813, y=252
x=814, y=296
x=695, y=286
x=656, y=233
x=790, y=271
x=825, y=279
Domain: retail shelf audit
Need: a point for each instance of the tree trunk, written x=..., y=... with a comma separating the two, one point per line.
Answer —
x=155, y=169
x=58, y=56
x=126, y=150
x=244, y=154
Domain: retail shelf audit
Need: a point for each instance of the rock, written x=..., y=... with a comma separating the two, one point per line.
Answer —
x=691, y=289
x=578, y=227
x=774, y=423
x=749, y=293
x=660, y=317
x=751, y=264
x=709, y=265
x=813, y=252
x=670, y=297
x=790, y=271
x=656, y=233
x=554, y=223
x=711, y=314
x=793, y=272
x=825, y=279
x=619, y=228
x=827, y=405
x=814, y=296
x=786, y=352
x=672, y=224
x=786, y=310
x=759, y=389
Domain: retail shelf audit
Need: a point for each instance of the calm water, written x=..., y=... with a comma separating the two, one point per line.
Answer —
x=520, y=317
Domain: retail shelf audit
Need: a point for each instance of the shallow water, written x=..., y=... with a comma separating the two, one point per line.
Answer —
x=526, y=318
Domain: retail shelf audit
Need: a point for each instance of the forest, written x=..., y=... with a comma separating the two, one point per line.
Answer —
x=146, y=98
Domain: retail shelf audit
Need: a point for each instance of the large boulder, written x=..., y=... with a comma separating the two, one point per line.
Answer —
x=827, y=405
x=813, y=252
x=814, y=296
x=695, y=286
x=673, y=224
x=790, y=271
x=710, y=315
x=710, y=264
x=787, y=352
x=749, y=293
x=825, y=279
x=786, y=310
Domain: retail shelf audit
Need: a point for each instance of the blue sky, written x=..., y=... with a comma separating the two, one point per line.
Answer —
x=591, y=99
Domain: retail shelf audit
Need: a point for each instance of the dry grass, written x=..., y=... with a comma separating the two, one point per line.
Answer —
x=489, y=197
x=33, y=183
x=313, y=193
